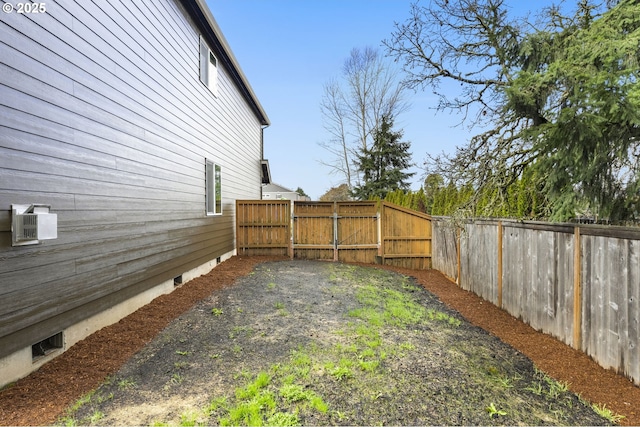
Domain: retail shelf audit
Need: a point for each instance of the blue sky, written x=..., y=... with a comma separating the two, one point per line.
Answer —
x=289, y=49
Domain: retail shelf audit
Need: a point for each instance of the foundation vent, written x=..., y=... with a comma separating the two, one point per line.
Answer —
x=47, y=346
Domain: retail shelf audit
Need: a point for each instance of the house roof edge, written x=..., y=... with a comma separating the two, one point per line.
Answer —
x=200, y=13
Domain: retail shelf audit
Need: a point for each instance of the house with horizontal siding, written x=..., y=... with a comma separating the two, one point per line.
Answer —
x=273, y=191
x=127, y=132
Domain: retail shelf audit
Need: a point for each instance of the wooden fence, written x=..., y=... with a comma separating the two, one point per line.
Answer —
x=580, y=284
x=263, y=227
x=341, y=231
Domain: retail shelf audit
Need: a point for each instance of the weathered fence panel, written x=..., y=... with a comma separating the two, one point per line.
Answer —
x=580, y=284
x=445, y=248
x=537, y=279
x=263, y=227
x=610, y=302
x=478, y=251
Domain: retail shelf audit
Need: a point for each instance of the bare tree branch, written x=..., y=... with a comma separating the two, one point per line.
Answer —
x=353, y=106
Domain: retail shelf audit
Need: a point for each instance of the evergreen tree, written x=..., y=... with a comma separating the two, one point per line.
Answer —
x=433, y=184
x=383, y=164
x=560, y=95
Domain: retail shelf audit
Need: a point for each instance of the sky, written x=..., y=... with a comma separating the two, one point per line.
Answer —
x=288, y=49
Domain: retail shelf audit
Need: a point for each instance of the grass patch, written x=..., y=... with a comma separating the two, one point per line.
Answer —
x=385, y=306
x=267, y=401
x=607, y=413
x=126, y=383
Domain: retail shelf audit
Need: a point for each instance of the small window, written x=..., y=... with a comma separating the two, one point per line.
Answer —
x=208, y=67
x=213, y=188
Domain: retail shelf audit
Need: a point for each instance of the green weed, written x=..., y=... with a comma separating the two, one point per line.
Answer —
x=607, y=413
x=283, y=419
x=282, y=311
x=492, y=410
x=295, y=393
x=96, y=416
x=240, y=330
x=68, y=421
x=252, y=389
x=496, y=376
x=126, y=384
x=342, y=371
x=82, y=401
x=368, y=365
x=189, y=419
x=216, y=404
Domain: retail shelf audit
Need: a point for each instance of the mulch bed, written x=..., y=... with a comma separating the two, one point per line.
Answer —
x=41, y=397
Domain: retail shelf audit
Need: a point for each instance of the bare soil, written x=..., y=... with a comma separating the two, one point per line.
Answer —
x=212, y=336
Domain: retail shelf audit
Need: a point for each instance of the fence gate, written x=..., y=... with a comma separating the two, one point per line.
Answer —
x=365, y=232
x=263, y=227
x=339, y=231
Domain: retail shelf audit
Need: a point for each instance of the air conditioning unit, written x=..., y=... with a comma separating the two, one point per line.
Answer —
x=32, y=223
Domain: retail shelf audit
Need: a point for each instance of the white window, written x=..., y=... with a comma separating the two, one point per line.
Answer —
x=213, y=188
x=208, y=67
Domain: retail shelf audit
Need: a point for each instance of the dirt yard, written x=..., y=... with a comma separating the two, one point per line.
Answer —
x=318, y=343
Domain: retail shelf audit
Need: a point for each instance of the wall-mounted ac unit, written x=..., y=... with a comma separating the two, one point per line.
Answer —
x=32, y=223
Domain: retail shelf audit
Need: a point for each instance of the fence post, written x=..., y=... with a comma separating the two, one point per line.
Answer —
x=335, y=231
x=499, y=264
x=292, y=209
x=380, y=216
x=577, y=290
x=459, y=249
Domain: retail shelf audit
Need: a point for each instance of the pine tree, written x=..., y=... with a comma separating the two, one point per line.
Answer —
x=383, y=165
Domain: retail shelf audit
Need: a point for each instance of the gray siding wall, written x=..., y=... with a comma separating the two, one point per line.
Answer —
x=103, y=116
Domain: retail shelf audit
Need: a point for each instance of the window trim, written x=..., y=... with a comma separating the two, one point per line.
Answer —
x=213, y=188
x=208, y=67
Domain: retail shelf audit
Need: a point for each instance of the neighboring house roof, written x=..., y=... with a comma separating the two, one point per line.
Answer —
x=203, y=18
x=275, y=188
